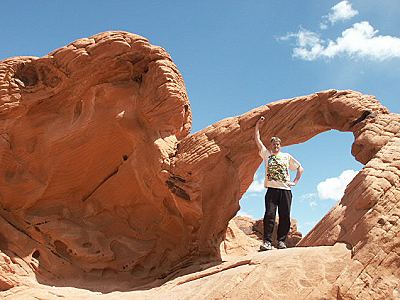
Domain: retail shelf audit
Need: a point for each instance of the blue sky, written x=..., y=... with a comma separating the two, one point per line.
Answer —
x=238, y=55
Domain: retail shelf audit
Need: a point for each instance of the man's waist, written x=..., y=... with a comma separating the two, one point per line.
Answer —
x=277, y=184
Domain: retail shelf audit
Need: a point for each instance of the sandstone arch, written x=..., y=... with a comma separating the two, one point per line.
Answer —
x=101, y=181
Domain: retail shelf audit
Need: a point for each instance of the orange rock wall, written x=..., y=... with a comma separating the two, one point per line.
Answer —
x=84, y=134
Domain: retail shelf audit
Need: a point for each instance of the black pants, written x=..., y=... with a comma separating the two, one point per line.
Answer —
x=281, y=199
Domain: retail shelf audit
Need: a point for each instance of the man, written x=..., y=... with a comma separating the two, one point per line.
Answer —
x=278, y=184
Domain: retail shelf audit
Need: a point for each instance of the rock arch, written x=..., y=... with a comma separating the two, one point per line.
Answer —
x=101, y=181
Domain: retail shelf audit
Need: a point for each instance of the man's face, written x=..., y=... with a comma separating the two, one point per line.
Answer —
x=275, y=146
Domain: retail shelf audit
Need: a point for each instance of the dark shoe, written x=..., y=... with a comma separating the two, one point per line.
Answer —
x=281, y=245
x=266, y=246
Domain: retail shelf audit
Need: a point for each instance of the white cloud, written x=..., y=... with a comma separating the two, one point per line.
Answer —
x=313, y=203
x=310, y=198
x=341, y=11
x=323, y=26
x=359, y=41
x=257, y=185
x=333, y=188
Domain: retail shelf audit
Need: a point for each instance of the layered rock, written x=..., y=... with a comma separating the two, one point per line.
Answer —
x=85, y=134
x=102, y=187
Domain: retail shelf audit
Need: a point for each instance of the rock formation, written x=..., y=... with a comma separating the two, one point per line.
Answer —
x=103, y=187
x=238, y=242
x=254, y=229
x=294, y=236
x=244, y=236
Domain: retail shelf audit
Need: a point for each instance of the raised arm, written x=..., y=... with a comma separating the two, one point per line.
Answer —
x=259, y=143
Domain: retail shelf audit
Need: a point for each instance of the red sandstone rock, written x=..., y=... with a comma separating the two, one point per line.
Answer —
x=244, y=236
x=85, y=132
x=254, y=229
x=103, y=188
x=237, y=242
x=296, y=273
x=294, y=236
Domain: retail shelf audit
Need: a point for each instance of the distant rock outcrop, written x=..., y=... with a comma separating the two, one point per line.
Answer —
x=103, y=188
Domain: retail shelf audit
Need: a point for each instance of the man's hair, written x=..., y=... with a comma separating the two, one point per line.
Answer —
x=275, y=139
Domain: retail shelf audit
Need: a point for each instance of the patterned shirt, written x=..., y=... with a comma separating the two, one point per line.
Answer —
x=277, y=168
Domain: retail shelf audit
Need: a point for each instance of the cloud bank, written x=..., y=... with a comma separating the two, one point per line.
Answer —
x=333, y=188
x=340, y=12
x=360, y=41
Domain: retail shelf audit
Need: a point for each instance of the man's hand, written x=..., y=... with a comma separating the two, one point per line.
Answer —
x=291, y=183
x=260, y=121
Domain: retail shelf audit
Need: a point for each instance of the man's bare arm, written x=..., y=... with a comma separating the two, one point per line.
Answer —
x=299, y=172
x=259, y=143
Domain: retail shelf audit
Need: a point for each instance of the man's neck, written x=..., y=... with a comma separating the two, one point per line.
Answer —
x=275, y=153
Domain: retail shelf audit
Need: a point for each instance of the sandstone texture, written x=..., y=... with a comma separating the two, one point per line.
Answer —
x=103, y=189
x=294, y=236
x=295, y=273
x=245, y=235
x=255, y=228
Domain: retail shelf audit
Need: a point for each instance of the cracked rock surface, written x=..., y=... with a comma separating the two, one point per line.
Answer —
x=103, y=188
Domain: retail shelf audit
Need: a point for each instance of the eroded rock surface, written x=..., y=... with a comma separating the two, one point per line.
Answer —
x=245, y=235
x=296, y=273
x=103, y=188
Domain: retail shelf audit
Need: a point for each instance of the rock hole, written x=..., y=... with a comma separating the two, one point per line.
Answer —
x=137, y=78
x=349, y=246
x=177, y=190
x=27, y=74
x=125, y=157
x=36, y=254
x=364, y=115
